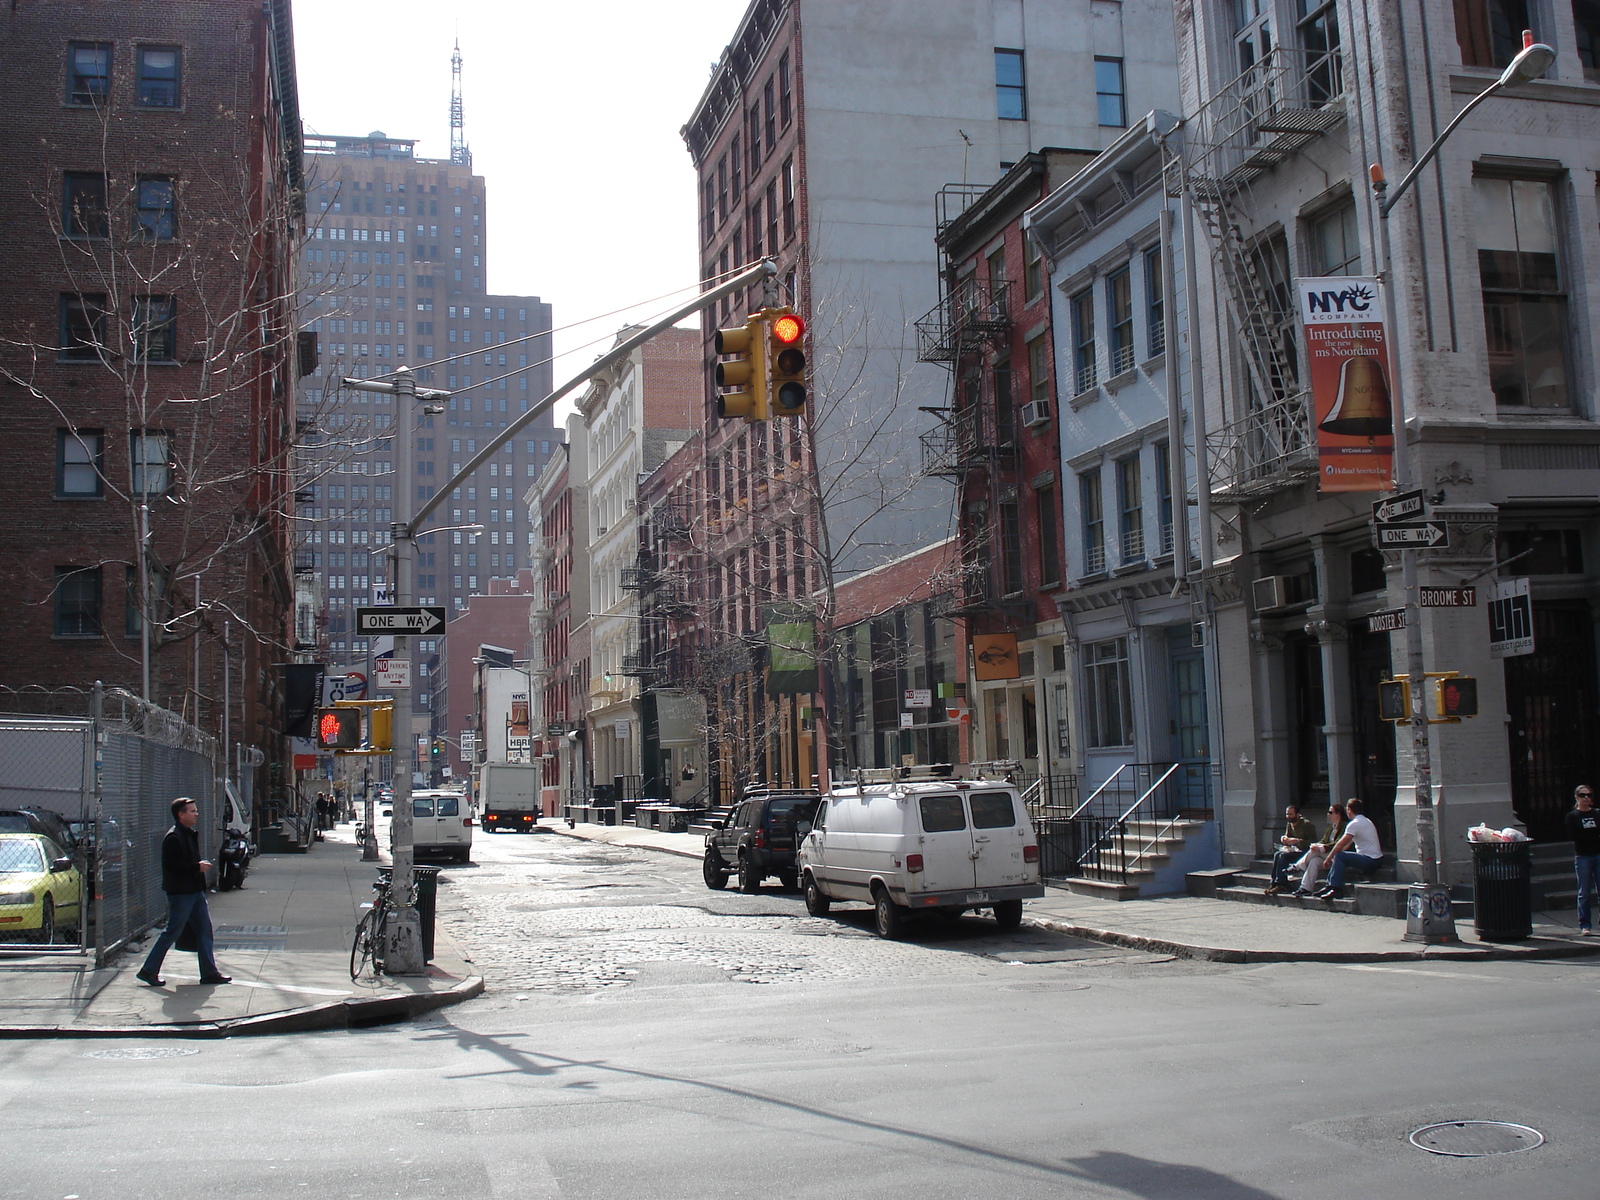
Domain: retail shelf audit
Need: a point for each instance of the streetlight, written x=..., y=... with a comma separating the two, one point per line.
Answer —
x=1428, y=913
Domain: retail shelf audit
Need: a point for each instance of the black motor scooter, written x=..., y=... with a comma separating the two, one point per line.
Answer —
x=233, y=862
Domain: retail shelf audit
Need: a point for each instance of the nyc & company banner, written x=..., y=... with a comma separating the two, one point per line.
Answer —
x=1350, y=382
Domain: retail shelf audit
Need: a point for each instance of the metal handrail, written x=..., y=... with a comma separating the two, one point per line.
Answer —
x=1077, y=812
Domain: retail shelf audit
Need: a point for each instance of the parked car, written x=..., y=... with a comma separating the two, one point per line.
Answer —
x=441, y=825
x=43, y=821
x=41, y=888
x=905, y=848
x=759, y=839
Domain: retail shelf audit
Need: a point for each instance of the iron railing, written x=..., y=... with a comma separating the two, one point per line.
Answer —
x=972, y=314
x=1123, y=821
x=1267, y=449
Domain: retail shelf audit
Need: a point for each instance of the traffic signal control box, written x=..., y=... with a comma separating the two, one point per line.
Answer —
x=382, y=733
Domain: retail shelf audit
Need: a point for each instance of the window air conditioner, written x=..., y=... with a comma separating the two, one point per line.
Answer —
x=1270, y=591
x=1036, y=413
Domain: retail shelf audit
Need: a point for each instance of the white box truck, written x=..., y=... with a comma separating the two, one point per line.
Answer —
x=508, y=795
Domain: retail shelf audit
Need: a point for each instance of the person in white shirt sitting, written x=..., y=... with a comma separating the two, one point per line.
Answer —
x=1357, y=848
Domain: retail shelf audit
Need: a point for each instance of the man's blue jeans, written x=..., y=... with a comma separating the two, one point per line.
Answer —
x=184, y=908
x=1346, y=859
x=1588, y=868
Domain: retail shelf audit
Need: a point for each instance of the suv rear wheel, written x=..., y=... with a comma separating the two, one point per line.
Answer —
x=1008, y=914
x=817, y=904
x=714, y=873
x=890, y=916
x=749, y=877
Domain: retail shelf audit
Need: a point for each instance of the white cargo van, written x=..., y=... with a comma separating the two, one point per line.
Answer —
x=441, y=825
x=944, y=846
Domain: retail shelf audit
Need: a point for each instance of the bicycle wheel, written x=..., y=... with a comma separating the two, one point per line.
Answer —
x=363, y=946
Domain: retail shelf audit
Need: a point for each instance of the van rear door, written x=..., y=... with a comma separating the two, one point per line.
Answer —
x=945, y=845
x=998, y=835
x=424, y=825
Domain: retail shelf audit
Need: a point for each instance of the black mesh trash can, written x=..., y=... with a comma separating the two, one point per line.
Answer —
x=427, y=881
x=1502, y=890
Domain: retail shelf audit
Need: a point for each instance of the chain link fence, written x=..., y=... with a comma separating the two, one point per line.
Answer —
x=109, y=764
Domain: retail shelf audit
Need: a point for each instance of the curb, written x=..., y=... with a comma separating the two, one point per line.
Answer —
x=576, y=836
x=1220, y=954
x=335, y=1014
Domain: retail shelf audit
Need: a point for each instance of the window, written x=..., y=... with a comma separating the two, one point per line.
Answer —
x=755, y=230
x=1094, y=522
x=1039, y=369
x=772, y=217
x=1524, y=308
x=769, y=101
x=1155, y=313
x=158, y=76
x=1083, y=341
x=1110, y=707
x=80, y=458
x=1032, y=271
x=77, y=596
x=155, y=211
x=83, y=205
x=722, y=188
x=1489, y=32
x=1005, y=405
x=1119, y=316
x=147, y=459
x=155, y=328
x=941, y=814
x=993, y=810
x=88, y=72
x=1130, y=502
x=1010, y=547
x=1164, y=494
x=1049, y=535
x=83, y=326
x=1336, y=243
x=1319, y=39
x=788, y=200
x=1586, y=23
x=1010, y=89
x=1110, y=99
x=755, y=138
x=785, y=99
x=736, y=166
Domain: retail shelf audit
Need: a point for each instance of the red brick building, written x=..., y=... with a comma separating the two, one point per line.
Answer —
x=148, y=351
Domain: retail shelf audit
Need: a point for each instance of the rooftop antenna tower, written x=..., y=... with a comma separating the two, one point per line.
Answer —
x=458, y=138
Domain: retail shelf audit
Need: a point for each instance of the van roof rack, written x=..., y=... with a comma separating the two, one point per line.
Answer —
x=999, y=771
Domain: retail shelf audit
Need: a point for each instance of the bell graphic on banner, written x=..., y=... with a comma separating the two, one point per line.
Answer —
x=1362, y=408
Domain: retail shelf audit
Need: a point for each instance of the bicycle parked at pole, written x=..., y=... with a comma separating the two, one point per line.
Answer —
x=368, y=943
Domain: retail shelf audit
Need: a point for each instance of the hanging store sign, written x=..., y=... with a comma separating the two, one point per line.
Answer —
x=1348, y=353
x=994, y=656
x=1511, y=619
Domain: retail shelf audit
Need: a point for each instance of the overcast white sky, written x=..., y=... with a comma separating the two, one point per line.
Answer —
x=572, y=115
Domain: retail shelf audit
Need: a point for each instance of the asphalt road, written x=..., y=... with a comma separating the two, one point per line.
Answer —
x=644, y=1036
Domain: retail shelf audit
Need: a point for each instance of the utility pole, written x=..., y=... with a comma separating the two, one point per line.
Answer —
x=1428, y=911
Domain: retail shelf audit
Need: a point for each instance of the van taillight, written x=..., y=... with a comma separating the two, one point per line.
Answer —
x=913, y=863
x=467, y=822
x=1030, y=854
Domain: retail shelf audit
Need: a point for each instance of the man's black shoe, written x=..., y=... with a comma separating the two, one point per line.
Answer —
x=152, y=980
x=216, y=979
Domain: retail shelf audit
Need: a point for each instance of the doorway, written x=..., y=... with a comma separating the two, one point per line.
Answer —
x=1376, y=776
x=1187, y=722
x=1551, y=698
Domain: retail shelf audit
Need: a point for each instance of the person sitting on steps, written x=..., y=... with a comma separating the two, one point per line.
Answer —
x=1310, y=864
x=1298, y=835
x=1356, y=849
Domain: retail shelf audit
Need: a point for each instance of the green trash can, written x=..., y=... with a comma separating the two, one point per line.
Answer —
x=427, y=882
x=1502, y=890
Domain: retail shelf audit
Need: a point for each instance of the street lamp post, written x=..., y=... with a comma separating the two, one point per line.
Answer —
x=1428, y=912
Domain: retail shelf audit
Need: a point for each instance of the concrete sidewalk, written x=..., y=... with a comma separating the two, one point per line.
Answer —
x=1220, y=930
x=285, y=938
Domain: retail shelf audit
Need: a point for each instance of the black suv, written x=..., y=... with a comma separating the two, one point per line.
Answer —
x=760, y=838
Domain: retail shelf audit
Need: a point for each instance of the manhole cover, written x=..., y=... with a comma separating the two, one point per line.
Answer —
x=1474, y=1139
x=144, y=1052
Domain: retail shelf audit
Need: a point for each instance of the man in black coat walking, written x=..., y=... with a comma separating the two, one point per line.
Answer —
x=183, y=878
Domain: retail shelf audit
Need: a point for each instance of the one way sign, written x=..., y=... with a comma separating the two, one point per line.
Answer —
x=415, y=619
x=1399, y=507
x=1430, y=534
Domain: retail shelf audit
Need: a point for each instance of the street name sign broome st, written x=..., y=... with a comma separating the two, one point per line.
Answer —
x=418, y=619
x=1447, y=597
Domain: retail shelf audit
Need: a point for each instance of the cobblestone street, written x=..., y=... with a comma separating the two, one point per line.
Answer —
x=551, y=914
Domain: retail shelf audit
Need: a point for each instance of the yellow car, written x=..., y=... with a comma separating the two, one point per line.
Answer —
x=41, y=890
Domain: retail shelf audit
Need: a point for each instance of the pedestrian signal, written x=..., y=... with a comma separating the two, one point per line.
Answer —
x=787, y=377
x=338, y=729
x=1394, y=700
x=1455, y=697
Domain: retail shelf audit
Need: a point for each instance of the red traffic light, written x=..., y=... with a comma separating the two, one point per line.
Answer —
x=788, y=329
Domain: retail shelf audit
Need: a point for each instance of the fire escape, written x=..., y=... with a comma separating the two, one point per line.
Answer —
x=974, y=445
x=1259, y=120
x=658, y=659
